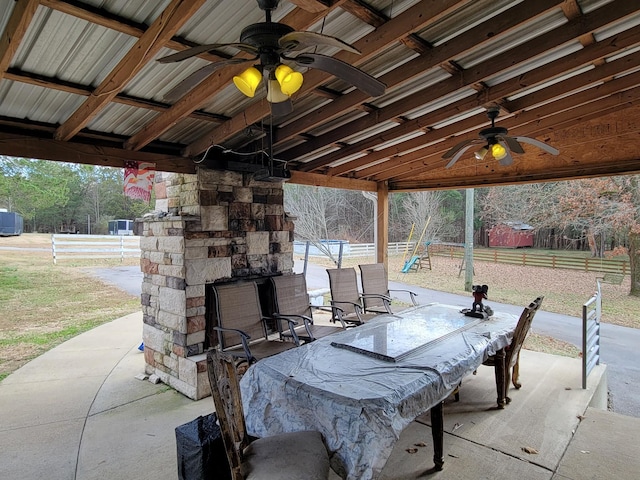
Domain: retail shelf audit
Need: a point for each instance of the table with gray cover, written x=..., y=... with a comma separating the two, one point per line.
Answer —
x=361, y=387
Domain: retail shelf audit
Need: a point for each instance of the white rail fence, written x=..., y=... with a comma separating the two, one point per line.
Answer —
x=73, y=247
x=354, y=249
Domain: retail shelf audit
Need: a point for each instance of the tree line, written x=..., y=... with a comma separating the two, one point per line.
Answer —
x=55, y=197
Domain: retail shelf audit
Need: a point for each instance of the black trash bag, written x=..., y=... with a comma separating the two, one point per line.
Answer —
x=201, y=453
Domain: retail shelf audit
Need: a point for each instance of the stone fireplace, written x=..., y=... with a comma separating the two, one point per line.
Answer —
x=214, y=226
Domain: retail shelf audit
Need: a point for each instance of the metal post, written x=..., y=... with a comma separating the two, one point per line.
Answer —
x=306, y=259
x=340, y=255
x=468, y=241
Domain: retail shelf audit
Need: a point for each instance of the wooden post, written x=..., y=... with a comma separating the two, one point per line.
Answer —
x=382, y=254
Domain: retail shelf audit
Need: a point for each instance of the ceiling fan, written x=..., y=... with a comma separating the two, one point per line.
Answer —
x=496, y=141
x=270, y=43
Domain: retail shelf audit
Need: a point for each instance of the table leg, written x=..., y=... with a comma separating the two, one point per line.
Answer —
x=500, y=377
x=437, y=433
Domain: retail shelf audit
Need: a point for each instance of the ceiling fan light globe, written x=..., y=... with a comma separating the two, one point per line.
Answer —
x=480, y=154
x=247, y=82
x=274, y=93
x=290, y=81
x=498, y=151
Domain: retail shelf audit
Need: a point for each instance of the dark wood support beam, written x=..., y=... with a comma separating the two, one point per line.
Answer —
x=46, y=149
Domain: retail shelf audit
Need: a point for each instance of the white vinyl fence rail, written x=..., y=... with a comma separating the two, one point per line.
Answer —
x=72, y=247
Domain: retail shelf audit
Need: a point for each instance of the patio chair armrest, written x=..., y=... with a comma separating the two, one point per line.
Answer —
x=386, y=300
x=244, y=340
x=291, y=324
x=412, y=294
x=341, y=313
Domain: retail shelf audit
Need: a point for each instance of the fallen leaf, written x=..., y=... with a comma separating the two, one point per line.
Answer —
x=530, y=450
x=581, y=417
x=456, y=426
x=568, y=388
x=452, y=455
x=412, y=450
x=420, y=444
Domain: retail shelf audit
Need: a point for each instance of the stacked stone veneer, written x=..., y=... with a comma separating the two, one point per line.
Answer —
x=210, y=227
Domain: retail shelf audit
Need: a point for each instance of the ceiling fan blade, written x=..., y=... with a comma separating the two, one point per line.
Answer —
x=356, y=77
x=507, y=159
x=300, y=40
x=198, y=76
x=456, y=148
x=193, y=51
x=512, y=142
x=539, y=144
x=282, y=108
x=458, y=154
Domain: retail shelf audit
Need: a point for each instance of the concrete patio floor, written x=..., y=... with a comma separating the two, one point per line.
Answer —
x=78, y=412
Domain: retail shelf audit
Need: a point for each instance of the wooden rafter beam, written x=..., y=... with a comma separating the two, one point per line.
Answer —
x=175, y=15
x=15, y=30
x=365, y=13
x=116, y=23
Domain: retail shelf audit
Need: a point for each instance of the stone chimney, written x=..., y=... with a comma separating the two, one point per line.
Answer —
x=214, y=226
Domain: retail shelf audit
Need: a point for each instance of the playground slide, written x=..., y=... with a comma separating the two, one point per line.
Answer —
x=408, y=265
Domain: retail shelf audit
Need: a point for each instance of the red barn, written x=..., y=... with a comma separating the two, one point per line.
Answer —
x=511, y=235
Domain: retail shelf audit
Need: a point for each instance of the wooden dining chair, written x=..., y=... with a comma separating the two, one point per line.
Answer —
x=242, y=329
x=296, y=455
x=291, y=302
x=346, y=299
x=512, y=351
x=375, y=288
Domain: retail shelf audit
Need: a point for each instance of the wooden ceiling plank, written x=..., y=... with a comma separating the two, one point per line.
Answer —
x=455, y=47
x=201, y=93
x=486, y=69
x=369, y=45
x=175, y=15
x=21, y=17
x=528, y=101
x=81, y=153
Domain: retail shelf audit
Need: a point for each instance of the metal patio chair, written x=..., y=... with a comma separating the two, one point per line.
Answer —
x=242, y=329
x=346, y=299
x=375, y=288
x=291, y=302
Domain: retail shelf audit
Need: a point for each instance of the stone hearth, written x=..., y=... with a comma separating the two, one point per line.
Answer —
x=215, y=226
